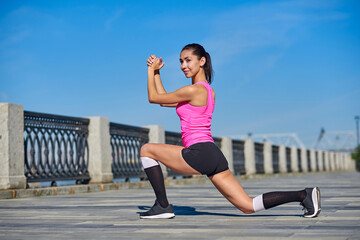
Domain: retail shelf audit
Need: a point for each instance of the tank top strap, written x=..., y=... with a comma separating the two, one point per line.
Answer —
x=210, y=99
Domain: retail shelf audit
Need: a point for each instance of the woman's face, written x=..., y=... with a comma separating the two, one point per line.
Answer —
x=190, y=64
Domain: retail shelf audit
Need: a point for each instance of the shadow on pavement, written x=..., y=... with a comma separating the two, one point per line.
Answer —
x=187, y=211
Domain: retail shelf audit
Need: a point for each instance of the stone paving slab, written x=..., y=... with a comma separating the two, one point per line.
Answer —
x=201, y=213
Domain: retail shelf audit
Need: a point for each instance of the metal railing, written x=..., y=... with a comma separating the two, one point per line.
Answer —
x=173, y=138
x=299, y=159
x=317, y=162
x=126, y=142
x=55, y=147
x=217, y=141
x=275, y=158
x=308, y=160
x=288, y=158
x=259, y=157
x=238, y=157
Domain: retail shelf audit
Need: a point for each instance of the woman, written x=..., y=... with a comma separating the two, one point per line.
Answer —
x=194, y=105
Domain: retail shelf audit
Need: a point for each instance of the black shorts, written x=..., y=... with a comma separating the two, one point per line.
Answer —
x=206, y=158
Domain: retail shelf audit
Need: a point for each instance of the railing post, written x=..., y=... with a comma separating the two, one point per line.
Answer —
x=332, y=161
x=304, y=160
x=312, y=160
x=268, y=164
x=227, y=150
x=320, y=160
x=341, y=162
x=327, y=161
x=351, y=163
x=294, y=159
x=282, y=159
x=157, y=135
x=12, y=146
x=337, y=161
x=99, y=150
x=249, y=152
x=346, y=165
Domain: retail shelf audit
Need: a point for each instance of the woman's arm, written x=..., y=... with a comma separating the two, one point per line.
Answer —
x=158, y=84
x=183, y=94
x=161, y=90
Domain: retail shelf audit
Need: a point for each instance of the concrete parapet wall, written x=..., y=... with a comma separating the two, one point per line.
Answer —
x=294, y=159
x=312, y=160
x=157, y=135
x=12, y=146
x=100, y=159
x=304, y=160
x=332, y=161
x=249, y=151
x=268, y=163
x=99, y=150
x=327, y=161
x=227, y=150
x=320, y=160
x=282, y=159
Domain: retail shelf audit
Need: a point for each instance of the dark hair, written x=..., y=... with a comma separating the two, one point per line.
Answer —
x=199, y=51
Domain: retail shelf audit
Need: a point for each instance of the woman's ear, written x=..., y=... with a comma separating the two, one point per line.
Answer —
x=202, y=61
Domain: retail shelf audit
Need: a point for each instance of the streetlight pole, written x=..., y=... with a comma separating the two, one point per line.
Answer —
x=357, y=118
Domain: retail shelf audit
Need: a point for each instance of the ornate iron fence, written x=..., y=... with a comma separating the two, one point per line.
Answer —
x=126, y=142
x=275, y=158
x=288, y=158
x=173, y=138
x=217, y=141
x=299, y=159
x=308, y=160
x=238, y=157
x=259, y=157
x=55, y=147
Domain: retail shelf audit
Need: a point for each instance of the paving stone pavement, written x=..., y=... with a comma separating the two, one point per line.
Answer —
x=201, y=213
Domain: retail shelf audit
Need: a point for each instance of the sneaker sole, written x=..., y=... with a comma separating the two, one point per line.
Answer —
x=159, y=216
x=316, y=199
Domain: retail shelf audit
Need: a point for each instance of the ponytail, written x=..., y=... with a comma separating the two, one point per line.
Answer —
x=208, y=68
x=200, y=52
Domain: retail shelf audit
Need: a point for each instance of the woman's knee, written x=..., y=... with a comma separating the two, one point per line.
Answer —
x=247, y=207
x=248, y=210
x=145, y=150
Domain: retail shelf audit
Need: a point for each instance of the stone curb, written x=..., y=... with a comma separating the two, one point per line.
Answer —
x=75, y=189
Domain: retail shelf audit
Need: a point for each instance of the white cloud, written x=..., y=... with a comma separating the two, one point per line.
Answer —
x=250, y=27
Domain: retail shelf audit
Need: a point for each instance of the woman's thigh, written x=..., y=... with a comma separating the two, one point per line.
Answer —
x=169, y=155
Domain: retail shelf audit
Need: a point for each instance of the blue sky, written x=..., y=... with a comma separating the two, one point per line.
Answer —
x=280, y=66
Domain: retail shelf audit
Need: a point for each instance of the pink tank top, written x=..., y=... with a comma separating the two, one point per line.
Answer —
x=196, y=121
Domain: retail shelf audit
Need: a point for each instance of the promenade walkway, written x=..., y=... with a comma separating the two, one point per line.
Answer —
x=201, y=213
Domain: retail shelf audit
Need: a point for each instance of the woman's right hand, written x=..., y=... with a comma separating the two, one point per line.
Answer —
x=155, y=63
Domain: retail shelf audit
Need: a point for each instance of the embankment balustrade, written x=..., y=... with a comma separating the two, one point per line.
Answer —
x=54, y=148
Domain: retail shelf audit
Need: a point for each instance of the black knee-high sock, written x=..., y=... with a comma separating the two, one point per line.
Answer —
x=273, y=199
x=156, y=179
